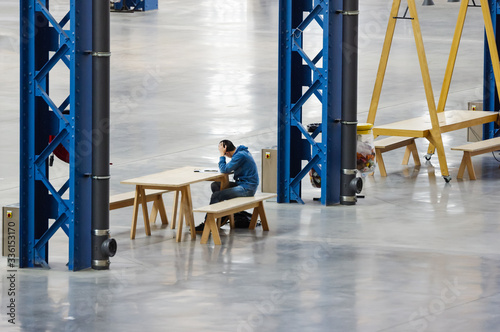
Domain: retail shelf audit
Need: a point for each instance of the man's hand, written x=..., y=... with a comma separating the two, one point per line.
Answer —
x=222, y=149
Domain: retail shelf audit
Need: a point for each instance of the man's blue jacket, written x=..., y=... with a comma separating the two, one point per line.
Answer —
x=244, y=167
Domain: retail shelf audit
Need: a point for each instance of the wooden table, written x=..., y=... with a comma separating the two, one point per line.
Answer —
x=437, y=122
x=422, y=127
x=179, y=179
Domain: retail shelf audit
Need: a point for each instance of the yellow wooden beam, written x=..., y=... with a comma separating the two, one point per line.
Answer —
x=384, y=58
x=492, y=45
x=445, y=89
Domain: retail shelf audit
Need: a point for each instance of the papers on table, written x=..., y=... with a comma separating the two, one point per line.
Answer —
x=206, y=170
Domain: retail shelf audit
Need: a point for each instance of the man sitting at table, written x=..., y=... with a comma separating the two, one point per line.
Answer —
x=246, y=177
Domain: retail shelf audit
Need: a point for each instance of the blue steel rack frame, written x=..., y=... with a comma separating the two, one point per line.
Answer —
x=490, y=95
x=44, y=206
x=136, y=5
x=297, y=72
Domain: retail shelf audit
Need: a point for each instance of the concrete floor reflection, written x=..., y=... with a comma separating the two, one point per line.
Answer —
x=415, y=254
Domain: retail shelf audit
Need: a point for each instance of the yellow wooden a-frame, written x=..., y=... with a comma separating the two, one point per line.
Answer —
x=432, y=134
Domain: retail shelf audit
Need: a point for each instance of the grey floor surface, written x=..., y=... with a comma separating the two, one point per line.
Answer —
x=416, y=254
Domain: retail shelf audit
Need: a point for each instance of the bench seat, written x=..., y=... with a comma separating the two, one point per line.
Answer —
x=119, y=201
x=474, y=149
x=228, y=208
x=392, y=143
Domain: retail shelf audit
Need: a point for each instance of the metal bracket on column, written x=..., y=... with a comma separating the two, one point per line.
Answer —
x=101, y=177
x=101, y=54
x=348, y=12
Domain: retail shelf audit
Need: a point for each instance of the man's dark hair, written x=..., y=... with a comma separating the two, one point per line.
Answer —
x=229, y=145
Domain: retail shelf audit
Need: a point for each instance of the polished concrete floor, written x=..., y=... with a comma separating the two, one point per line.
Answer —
x=416, y=254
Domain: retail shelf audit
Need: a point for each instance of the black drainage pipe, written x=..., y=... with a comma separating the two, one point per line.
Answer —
x=350, y=184
x=103, y=246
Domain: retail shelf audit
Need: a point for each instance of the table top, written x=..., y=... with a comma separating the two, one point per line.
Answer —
x=448, y=121
x=178, y=177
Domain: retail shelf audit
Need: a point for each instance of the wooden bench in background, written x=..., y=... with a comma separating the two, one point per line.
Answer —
x=156, y=196
x=393, y=143
x=474, y=149
x=228, y=208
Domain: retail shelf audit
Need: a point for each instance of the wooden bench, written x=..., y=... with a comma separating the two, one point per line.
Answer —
x=392, y=143
x=228, y=208
x=474, y=149
x=127, y=199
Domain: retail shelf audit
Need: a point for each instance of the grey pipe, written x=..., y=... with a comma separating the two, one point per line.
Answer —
x=350, y=184
x=103, y=246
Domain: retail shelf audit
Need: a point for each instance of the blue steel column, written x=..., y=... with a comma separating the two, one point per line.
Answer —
x=35, y=212
x=289, y=90
x=300, y=78
x=490, y=96
x=44, y=206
